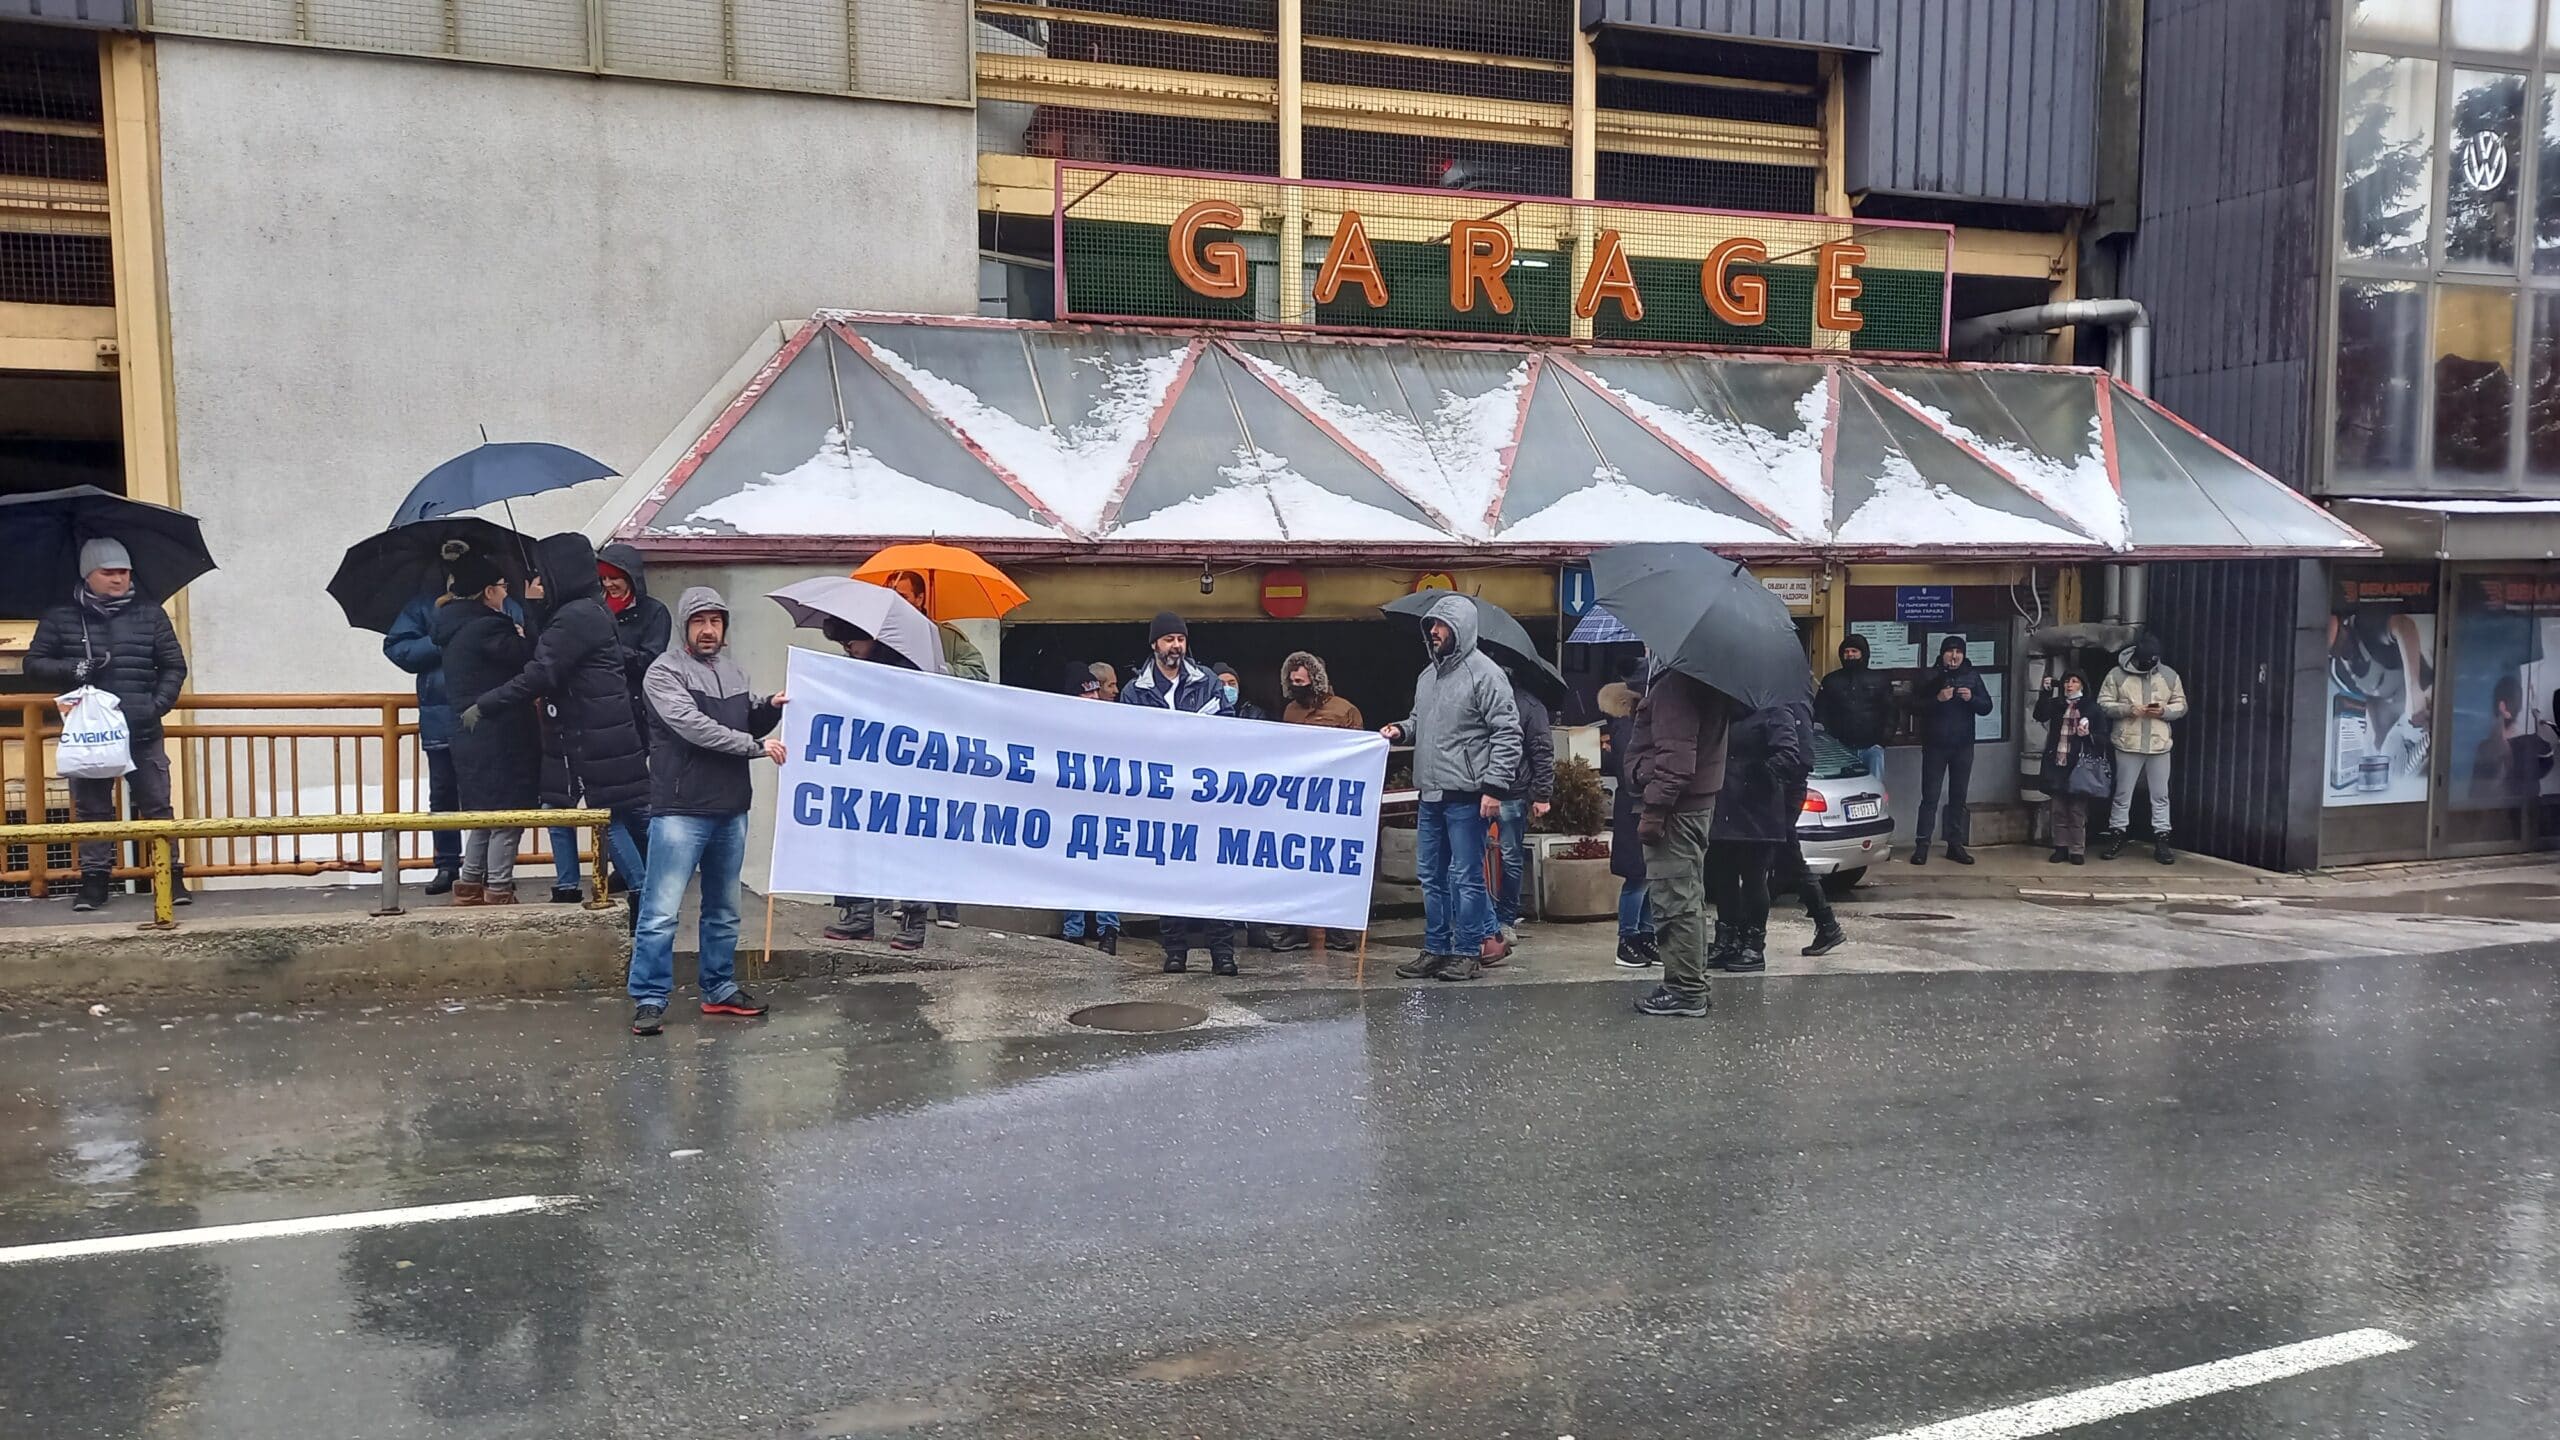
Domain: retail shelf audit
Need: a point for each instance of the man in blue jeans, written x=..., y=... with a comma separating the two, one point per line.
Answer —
x=1465, y=733
x=1529, y=798
x=705, y=729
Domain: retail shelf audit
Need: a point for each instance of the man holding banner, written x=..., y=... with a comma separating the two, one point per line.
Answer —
x=1465, y=731
x=1170, y=681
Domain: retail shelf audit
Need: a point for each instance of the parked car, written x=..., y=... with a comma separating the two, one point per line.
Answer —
x=1847, y=824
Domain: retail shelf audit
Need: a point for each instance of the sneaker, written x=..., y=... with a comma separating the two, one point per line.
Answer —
x=1631, y=956
x=1510, y=933
x=853, y=922
x=1959, y=854
x=910, y=936
x=2114, y=846
x=93, y=893
x=1288, y=938
x=1649, y=945
x=648, y=1018
x=738, y=1003
x=1422, y=966
x=1827, y=937
x=442, y=881
x=1495, y=952
x=1177, y=964
x=2161, y=852
x=1666, y=1001
x=947, y=917
x=2077, y=858
x=1461, y=967
x=2060, y=856
x=567, y=895
x=178, y=893
x=1109, y=943
x=1222, y=967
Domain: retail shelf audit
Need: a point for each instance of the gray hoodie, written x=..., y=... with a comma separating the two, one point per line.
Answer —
x=1465, y=728
x=706, y=726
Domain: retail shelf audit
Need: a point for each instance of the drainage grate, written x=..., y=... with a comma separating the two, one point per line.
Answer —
x=1138, y=1017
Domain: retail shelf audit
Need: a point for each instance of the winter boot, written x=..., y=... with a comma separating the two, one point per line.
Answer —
x=1651, y=944
x=1720, y=950
x=93, y=892
x=1827, y=936
x=2060, y=856
x=1920, y=852
x=1286, y=938
x=567, y=895
x=470, y=892
x=853, y=922
x=178, y=892
x=1750, y=951
x=495, y=896
x=1257, y=937
x=2114, y=846
x=1959, y=854
x=1179, y=964
x=2160, y=850
x=1108, y=942
x=910, y=934
x=442, y=881
x=1630, y=955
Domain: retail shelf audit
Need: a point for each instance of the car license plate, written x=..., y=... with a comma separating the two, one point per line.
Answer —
x=1862, y=809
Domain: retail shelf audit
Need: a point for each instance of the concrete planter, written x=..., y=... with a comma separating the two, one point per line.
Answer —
x=1576, y=889
x=1396, y=861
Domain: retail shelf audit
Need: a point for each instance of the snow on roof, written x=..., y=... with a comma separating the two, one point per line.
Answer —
x=1065, y=417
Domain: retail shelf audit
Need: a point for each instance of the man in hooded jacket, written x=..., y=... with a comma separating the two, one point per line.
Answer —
x=706, y=729
x=1308, y=688
x=1465, y=733
x=2146, y=699
x=577, y=671
x=1856, y=705
x=1946, y=701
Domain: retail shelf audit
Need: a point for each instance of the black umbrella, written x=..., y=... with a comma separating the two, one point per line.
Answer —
x=497, y=472
x=1708, y=618
x=1496, y=631
x=383, y=573
x=41, y=535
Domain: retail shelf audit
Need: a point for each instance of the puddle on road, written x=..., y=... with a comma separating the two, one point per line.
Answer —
x=2501, y=900
x=1138, y=1017
x=1908, y=915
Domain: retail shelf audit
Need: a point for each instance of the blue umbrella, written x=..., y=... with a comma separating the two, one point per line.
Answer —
x=497, y=472
x=1599, y=627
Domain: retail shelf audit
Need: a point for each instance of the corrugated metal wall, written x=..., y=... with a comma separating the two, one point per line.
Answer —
x=1991, y=100
x=2250, y=639
x=2227, y=256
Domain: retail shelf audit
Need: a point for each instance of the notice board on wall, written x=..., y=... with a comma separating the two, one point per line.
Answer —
x=1907, y=650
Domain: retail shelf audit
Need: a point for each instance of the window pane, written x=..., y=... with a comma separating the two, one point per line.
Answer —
x=2492, y=25
x=2394, y=19
x=2475, y=378
x=2485, y=170
x=2542, y=414
x=2386, y=138
x=2381, y=335
x=2546, y=205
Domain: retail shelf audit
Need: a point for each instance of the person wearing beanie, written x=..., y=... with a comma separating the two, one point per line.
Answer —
x=1855, y=705
x=1172, y=680
x=108, y=635
x=1231, y=689
x=497, y=764
x=1948, y=700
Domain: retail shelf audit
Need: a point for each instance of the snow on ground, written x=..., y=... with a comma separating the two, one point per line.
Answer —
x=1780, y=473
x=1611, y=511
x=1266, y=500
x=846, y=490
x=2077, y=486
x=1451, y=461
x=1075, y=472
x=1908, y=510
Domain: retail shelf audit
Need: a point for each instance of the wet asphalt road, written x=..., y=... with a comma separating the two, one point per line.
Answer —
x=1844, y=1207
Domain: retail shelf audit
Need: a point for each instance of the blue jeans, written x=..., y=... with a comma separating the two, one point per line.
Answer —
x=564, y=858
x=1105, y=922
x=1511, y=830
x=1633, y=917
x=717, y=844
x=1874, y=756
x=1449, y=852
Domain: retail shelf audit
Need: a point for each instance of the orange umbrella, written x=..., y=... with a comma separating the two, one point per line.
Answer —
x=959, y=584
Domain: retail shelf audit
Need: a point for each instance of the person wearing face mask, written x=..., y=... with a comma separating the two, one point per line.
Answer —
x=1947, y=701
x=1311, y=701
x=1465, y=733
x=2144, y=698
x=1231, y=688
x=1856, y=705
x=2073, y=724
x=1172, y=680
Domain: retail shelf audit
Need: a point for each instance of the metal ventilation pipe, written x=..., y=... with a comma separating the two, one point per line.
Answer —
x=2127, y=324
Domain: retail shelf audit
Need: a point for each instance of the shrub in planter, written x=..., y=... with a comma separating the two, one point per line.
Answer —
x=1581, y=804
x=1574, y=883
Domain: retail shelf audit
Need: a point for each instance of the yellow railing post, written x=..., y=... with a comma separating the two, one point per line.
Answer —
x=391, y=799
x=164, y=912
x=39, y=790
x=604, y=896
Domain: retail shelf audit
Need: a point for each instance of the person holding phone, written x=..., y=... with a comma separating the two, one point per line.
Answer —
x=2073, y=725
x=1946, y=702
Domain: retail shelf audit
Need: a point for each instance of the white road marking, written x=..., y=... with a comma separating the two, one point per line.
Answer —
x=283, y=1229
x=2150, y=1392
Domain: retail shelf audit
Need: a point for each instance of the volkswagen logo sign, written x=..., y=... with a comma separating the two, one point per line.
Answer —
x=2483, y=158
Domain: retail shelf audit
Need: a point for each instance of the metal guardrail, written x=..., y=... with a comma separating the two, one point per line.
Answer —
x=163, y=836
x=357, y=754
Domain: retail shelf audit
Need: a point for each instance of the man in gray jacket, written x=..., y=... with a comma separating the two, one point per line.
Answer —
x=705, y=729
x=1465, y=733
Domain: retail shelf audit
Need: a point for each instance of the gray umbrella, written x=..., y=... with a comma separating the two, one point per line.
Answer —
x=875, y=609
x=1498, y=632
x=1706, y=617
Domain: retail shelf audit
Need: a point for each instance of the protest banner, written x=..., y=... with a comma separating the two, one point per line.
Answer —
x=906, y=786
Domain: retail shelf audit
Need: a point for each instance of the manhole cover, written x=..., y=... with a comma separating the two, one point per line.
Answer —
x=1911, y=915
x=1138, y=1017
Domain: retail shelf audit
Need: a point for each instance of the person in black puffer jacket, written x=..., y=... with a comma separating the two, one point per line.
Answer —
x=1856, y=705
x=642, y=618
x=497, y=763
x=1766, y=762
x=1946, y=701
x=109, y=636
x=577, y=670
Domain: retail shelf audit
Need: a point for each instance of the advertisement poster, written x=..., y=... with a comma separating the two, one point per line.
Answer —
x=2382, y=639
x=2506, y=667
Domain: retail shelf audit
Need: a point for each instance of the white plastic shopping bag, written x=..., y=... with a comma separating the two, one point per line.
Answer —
x=96, y=742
